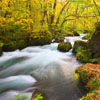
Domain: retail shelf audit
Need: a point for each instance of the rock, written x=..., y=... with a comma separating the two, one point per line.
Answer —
x=21, y=44
x=84, y=56
x=64, y=47
x=91, y=74
x=11, y=46
x=78, y=44
x=94, y=42
x=40, y=38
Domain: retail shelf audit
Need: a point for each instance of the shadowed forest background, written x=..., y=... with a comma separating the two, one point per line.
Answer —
x=24, y=20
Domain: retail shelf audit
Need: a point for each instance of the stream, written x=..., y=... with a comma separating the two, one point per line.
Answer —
x=52, y=68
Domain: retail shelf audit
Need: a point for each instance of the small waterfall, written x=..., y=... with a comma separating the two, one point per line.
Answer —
x=52, y=68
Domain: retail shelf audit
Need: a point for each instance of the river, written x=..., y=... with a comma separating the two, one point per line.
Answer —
x=52, y=68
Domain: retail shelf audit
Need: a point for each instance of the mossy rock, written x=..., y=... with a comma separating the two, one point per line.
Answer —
x=21, y=44
x=83, y=76
x=11, y=46
x=96, y=55
x=79, y=43
x=64, y=47
x=40, y=38
x=84, y=56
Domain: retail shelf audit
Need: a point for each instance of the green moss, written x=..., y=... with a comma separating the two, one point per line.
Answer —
x=83, y=76
x=96, y=55
x=84, y=56
x=87, y=37
x=13, y=45
x=79, y=43
x=64, y=47
x=95, y=84
x=40, y=38
x=21, y=44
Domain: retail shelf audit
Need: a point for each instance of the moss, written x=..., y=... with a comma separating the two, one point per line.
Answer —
x=84, y=56
x=83, y=76
x=64, y=47
x=96, y=55
x=40, y=38
x=95, y=84
x=69, y=33
x=79, y=43
x=21, y=44
x=94, y=61
x=87, y=37
x=11, y=46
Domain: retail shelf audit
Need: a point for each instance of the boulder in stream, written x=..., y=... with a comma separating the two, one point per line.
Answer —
x=64, y=46
x=84, y=56
x=79, y=44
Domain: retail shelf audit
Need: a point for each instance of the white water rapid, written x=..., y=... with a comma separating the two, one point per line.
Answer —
x=51, y=67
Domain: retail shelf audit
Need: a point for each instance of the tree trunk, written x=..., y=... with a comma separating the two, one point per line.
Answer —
x=53, y=15
x=61, y=12
x=96, y=7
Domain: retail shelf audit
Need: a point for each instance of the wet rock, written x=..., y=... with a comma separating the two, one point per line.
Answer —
x=13, y=45
x=64, y=47
x=40, y=38
x=78, y=44
x=84, y=56
x=90, y=75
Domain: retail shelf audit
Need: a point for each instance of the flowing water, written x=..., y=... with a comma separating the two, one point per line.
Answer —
x=52, y=69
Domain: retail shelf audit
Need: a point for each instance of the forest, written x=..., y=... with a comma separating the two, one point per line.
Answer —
x=50, y=49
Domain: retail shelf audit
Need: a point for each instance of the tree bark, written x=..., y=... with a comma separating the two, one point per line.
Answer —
x=53, y=15
x=96, y=7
